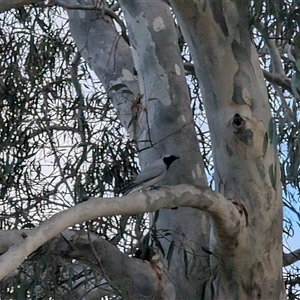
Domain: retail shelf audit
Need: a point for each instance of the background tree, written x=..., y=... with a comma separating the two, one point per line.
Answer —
x=63, y=141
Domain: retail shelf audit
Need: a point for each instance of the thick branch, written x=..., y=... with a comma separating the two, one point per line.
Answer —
x=290, y=258
x=114, y=267
x=7, y=5
x=9, y=237
x=273, y=50
x=222, y=211
x=119, y=270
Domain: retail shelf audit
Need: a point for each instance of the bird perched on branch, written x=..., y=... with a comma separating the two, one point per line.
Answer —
x=151, y=175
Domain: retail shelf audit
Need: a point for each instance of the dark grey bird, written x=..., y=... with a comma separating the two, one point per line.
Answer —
x=152, y=174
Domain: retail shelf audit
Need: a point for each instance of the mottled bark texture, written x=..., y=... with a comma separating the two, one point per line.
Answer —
x=246, y=265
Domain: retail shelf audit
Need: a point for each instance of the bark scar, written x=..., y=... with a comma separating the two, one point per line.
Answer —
x=241, y=208
x=217, y=10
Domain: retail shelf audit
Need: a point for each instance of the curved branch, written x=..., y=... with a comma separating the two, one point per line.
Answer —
x=273, y=50
x=224, y=213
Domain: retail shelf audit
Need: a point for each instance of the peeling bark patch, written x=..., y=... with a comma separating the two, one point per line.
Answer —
x=241, y=94
x=158, y=24
x=245, y=136
x=246, y=96
x=217, y=10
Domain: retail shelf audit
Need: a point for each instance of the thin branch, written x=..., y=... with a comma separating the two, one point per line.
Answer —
x=53, y=127
x=273, y=78
x=290, y=258
x=273, y=50
x=277, y=79
x=223, y=212
x=292, y=282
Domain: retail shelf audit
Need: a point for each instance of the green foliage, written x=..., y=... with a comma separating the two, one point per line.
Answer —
x=60, y=142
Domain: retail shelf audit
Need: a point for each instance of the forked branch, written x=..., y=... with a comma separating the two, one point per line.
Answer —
x=223, y=212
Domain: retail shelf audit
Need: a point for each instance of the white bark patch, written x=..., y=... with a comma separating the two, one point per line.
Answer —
x=193, y=174
x=152, y=44
x=246, y=96
x=127, y=75
x=198, y=172
x=177, y=70
x=158, y=24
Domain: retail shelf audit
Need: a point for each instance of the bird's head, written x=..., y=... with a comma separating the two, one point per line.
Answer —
x=169, y=159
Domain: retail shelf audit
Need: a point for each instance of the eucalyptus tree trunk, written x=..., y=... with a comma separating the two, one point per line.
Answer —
x=248, y=262
x=244, y=262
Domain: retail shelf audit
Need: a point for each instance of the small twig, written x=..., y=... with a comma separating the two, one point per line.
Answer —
x=273, y=50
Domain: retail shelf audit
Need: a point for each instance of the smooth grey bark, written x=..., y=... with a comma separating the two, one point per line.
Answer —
x=168, y=125
x=109, y=55
x=163, y=122
x=249, y=262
